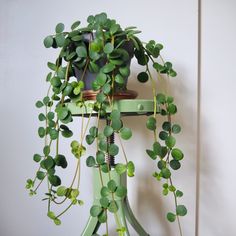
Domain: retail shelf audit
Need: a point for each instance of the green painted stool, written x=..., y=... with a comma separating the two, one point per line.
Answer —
x=127, y=107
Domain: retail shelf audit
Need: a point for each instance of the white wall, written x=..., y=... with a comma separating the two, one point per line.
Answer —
x=24, y=24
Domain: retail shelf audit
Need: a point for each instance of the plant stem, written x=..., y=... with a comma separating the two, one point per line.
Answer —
x=123, y=150
x=64, y=210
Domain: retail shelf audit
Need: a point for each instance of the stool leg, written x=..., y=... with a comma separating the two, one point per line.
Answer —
x=132, y=220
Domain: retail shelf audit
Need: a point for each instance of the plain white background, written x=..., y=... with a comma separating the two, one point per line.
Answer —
x=23, y=59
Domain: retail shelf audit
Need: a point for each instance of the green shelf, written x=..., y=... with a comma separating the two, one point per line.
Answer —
x=127, y=107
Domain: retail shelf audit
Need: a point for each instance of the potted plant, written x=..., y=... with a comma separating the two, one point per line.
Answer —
x=94, y=64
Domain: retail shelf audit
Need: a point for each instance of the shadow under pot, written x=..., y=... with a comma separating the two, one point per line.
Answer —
x=118, y=61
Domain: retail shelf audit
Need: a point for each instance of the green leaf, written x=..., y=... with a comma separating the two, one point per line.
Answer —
x=39, y=104
x=113, y=207
x=112, y=185
x=170, y=217
x=100, y=157
x=52, y=66
x=81, y=51
x=157, y=148
x=46, y=150
x=166, y=173
x=108, y=131
x=95, y=210
x=53, y=134
x=170, y=141
x=175, y=165
x=113, y=149
x=106, y=88
x=101, y=78
x=54, y=180
x=116, y=124
x=151, y=154
x=101, y=97
x=102, y=218
x=40, y=175
x=74, y=193
x=143, y=77
x=48, y=41
x=41, y=132
x=104, y=201
x=125, y=71
x=181, y=210
x=55, y=82
x=68, y=90
x=125, y=133
x=108, y=68
x=166, y=126
x=105, y=168
x=48, y=163
x=90, y=162
x=41, y=117
x=46, y=100
x=89, y=139
x=130, y=169
x=60, y=40
x=161, y=98
x=176, y=128
x=67, y=133
x=108, y=48
x=62, y=113
x=119, y=79
x=103, y=145
x=50, y=115
x=61, y=191
x=121, y=191
x=177, y=154
x=61, y=161
x=172, y=109
x=59, y=28
x=75, y=25
x=179, y=193
x=151, y=123
x=105, y=191
x=163, y=135
x=51, y=215
x=115, y=114
x=57, y=221
x=37, y=158
x=161, y=164
x=120, y=168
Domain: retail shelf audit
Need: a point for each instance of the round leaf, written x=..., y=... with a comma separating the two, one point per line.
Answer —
x=113, y=149
x=151, y=123
x=48, y=41
x=175, y=165
x=181, y=210
x=108, y=48
x=104, y=202
x=176, y=129
x=112, y=185
x=108, y=131
x=125, y=133
x=90, y=161
x=143, y=77
x=59, y=28
x=95, y=210
x=170, y=141
x=121, y=191
x=177, y=154
x=171, y=217
x=113, y=207
x=120, y=168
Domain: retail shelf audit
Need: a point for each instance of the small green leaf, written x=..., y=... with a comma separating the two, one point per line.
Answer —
x=52, y=66
x=104, y=201
x=48, y=41
x=46, y=150
x=163, y=135
x=124, y=71
x=62, y=113
x=61, y=191
x=75, y=25
x=108, y=131
x=130, y=169
x=172, y=109
x=67, y=133
x=151, y=154
x=108, y=48
x=59, y=28
x=113, y=149
x=176, y=129
x=170, y=141
x=60, y=40
x=171, y=217
x=101, y=78
x=39, y=104
x=179, y=193
x=125, y=133
x=100, y=157
x=37, y=158
x=105, y=191
x=108, y=68
x=113, y=207
x=60, y=160
x=166, y=173
x=102, y=218
x=90, y=162
x=95, y=210
x=175, y=165
x=116, y=124
x=46, y=100
x=181, y=210
x=177, y=154
x=112, y=185
x=119, y=79
x=51, y=215
x=57, y=221
x=53, y=134
x=81, y=51
x=40, y=175
x=166, y=126
x=121, y=191
x=161, y=98
x=143, y=77
x=101, y=97
x=54, y=180
x=151, y=123
x=120, y=168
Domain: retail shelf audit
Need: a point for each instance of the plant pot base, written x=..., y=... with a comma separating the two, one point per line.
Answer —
x=127, y=94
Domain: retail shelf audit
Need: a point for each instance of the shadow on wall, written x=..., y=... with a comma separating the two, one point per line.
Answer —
x=150, y=204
